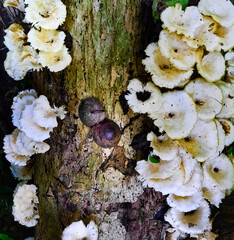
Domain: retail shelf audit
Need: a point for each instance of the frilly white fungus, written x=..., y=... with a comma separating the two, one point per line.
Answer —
x=78, y=231
x=25, y=205
x=15, y=37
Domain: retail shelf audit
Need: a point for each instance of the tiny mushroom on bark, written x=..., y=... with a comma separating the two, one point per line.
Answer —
x=78, y=231
x=23, y=173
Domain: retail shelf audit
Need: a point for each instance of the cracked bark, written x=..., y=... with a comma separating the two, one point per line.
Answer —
x=107, y=41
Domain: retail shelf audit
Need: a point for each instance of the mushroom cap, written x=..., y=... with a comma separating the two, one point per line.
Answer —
x=55, y=61
x=23, y=98
x=183, y=22
x=221, y=11
x=228, y=99
x=194, y=222
x=77, y=230
x=15, y=37
x=207, y=97
x=161, y=170
x=164, y=74
x=163, y=146
x=176, y=50
x=48, y=14
x=46, y=40
x=229, y=57
x=30, y=128
x=219, y=170
x=18, y=63
x=228, y=131
x=143, y=99
x=19, y=4
x=25, y=205
x=202, y=142
x=221, y=138
x=179, y=119
x=211, y=66
x=205, y=36
x=212, y=192
x=185, y=204
x=230, y=74
x=42, y=114
x=23, y=173
x=17, y=159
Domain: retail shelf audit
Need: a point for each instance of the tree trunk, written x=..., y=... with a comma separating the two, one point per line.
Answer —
x=77, y=179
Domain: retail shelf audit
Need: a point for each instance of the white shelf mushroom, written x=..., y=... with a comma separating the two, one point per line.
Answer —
x=46, y=40
x=55, y=61
x=48, y=14
x=45, y=116
x=25, y=205
x=185, y=22
x=143, y=99
x=221, y=11
x=164, y=74
x=219, y=171
x=163, y=146
x=179, y=114
x=18, y=63
x=207, y=97
x=19, y=4
x=194, y=222
x=78, y=231
x=228, y=131
x=176, y=50
x=15, y=37
x=23, y=98
x=202, y=142
x=228, y=99
x=23, y=173
x=211, y=66
x=186, y=203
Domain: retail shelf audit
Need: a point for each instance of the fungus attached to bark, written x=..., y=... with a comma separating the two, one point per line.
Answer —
x=15, y=37
x=106, y=134
x=78, y=231
x=48, y=14
x=25, y=205
x=207, y=97
x=23, y=173
x=143, y=99
x=91, y=111
x=164, y=74
x=46, y=40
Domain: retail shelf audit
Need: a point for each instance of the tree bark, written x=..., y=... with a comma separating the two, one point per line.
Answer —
x=76, y=179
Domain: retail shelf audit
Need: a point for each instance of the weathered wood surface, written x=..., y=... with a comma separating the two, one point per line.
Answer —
x=76, y=178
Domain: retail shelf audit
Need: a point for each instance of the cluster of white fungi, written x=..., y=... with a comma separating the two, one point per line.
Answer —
x=43, y=46
x=195, y=55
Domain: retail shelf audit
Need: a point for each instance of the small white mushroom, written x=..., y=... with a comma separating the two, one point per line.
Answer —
x=19, y=4
x=193, y=222
x=229, y=57
x=228, y=99
x=228, y=131
x=45, y=116
x=176, y=50
x=163, y=146
x=221, y=11
x=25, y=205
x=55, y=61
x=46, y=40
x=202, y=142
x=179, y=114
x=78, y=231
x=219, y=170
x=207, y=97
x=185, y=22
x=186, y=203
x=22, y=172
x=48, y=14
x=211, y=66
x=15, y=37
x=221, y=139
x=143, y=99
x=23, y=98
x=164, y=74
